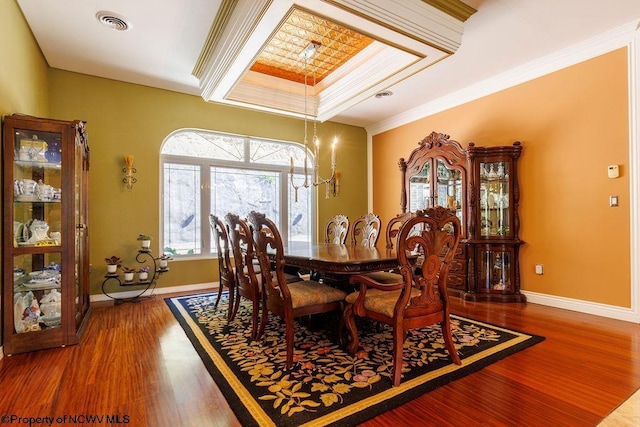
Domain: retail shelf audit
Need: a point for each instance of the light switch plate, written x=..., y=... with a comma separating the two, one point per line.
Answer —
x=613, y=171
x=613, y=201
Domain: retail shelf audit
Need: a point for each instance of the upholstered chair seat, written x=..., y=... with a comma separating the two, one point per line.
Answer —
x=305, y=293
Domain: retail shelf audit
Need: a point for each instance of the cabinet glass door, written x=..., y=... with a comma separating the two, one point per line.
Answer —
x=494, y=199
x=420, y=189
x=37, y=224
x=495, y=270
x=449, y=188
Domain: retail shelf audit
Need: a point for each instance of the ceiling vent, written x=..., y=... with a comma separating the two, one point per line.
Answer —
x=384, y=94
x=113, y=21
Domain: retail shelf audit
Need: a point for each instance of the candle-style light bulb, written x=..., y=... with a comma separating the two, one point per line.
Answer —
x=333, y=152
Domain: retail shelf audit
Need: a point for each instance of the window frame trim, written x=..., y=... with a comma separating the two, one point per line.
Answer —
x=206, y=165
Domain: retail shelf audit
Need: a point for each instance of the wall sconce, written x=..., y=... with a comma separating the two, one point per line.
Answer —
x=336, y=184
x=129, y=170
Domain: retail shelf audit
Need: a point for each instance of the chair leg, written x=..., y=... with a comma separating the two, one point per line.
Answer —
x=289, y=340
x=448, y=340
x=398, y=341
x=350, y=322
x=254, y=320
x=220, y=289
x=263, y=321
x=232, y=296
x=236, y=304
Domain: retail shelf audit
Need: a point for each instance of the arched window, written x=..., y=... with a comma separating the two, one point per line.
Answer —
x=207, y=172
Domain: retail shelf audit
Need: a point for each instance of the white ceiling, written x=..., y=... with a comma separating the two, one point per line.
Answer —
x=166, y=38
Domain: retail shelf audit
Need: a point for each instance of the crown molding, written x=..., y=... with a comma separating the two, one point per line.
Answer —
x=436, y=25
x=590, y=48
x=227, y=38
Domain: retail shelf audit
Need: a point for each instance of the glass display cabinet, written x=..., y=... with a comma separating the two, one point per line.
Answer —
x=436, y=175
x=494, y=224
x=45, y=234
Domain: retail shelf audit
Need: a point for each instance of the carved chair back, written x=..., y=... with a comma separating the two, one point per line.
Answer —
x=366, y=230
x=247, y=283
x=393, y=227
x=227, y=272
x=337, y=229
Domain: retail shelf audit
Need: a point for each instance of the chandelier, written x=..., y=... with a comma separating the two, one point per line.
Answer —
x=316, y=179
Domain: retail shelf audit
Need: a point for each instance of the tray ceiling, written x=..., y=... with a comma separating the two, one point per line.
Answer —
x=361, y=49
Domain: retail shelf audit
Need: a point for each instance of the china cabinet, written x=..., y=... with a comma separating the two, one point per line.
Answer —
x=45, y=233
x=493, y=241
x=481, y=185
x=436, y=175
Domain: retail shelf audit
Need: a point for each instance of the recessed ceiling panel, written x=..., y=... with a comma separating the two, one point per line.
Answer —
x=284, y=55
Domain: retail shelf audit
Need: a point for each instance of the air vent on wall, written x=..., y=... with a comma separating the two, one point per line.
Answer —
x=113, y=21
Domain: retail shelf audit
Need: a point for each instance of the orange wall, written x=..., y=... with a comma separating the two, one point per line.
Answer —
x=572, y=124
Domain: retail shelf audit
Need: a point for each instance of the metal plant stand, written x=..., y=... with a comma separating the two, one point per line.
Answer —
x=144, y=256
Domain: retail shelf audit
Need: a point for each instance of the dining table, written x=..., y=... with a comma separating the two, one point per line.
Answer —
x=334, y=263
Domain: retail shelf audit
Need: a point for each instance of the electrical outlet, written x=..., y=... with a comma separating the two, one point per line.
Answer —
x=539, y=269
x=613, y=201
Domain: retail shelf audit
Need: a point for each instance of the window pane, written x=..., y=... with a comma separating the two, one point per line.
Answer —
x=242, y=190
x=300, y=222
x=205, y=145
x=181, y=209
x=277, y=153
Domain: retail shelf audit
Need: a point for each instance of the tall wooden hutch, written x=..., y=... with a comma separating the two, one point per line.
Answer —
x=481, y=185
x=45, y=233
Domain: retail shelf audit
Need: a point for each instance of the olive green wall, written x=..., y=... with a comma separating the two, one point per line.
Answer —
x=23, y=73
x=131, y=119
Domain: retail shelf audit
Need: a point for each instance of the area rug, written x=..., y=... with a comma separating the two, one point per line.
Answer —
x=327, y=386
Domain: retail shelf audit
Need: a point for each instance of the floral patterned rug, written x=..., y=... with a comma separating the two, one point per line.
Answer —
x=328, y=386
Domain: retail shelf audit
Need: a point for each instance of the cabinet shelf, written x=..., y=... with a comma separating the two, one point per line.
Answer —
x=35, y=164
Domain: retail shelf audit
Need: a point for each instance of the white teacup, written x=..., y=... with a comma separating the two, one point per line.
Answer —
x=55, y=235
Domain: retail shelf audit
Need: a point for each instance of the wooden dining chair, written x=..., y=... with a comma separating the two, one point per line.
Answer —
x=366, y=230
x=248, y=283
x=287, y=300
x=227, y=272
x=337, y=229
x=421, y=299
x=391, y=233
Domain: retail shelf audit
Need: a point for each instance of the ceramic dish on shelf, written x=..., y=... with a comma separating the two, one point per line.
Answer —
x=42, y=282
x=51, y=320
x=44, y=274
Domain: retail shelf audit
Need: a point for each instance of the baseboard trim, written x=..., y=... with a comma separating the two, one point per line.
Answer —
x=587, y=307
x=159, y=291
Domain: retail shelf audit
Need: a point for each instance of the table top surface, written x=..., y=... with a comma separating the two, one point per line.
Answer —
x=339, y=258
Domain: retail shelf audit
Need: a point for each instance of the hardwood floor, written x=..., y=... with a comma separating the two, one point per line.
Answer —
x=135, y=362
